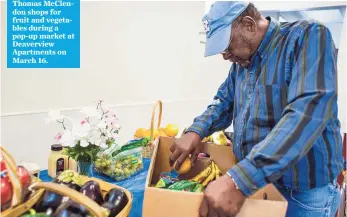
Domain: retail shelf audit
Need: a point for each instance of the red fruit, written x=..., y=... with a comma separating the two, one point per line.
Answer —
x=2, y=165
x=25, y=179
x=6, y=192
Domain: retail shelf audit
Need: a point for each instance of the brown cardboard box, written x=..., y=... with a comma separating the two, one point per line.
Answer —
x=168, y=203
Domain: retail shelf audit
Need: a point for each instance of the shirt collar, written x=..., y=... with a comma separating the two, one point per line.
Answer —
x=265, y=43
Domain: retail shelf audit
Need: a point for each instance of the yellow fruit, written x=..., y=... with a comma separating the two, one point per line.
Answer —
x=161, y=133
x=185, y=167
x=219, y=138
x=203, y=175
x=155, y=134
x=140, y=133
x=211, y=176
x=218, y=172
x=148, y=133
x=171, y=130
x=208, y=139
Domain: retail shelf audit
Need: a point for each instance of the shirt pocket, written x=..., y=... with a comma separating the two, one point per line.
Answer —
x=269, y=103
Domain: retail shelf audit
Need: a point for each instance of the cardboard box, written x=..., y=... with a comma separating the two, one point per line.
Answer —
x=168, y=203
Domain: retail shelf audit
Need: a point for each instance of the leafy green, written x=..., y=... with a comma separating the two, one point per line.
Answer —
x=80, y=153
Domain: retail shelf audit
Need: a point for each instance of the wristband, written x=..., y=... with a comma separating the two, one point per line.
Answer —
x=236, y=186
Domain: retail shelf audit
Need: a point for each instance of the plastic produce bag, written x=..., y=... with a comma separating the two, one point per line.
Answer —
x=170, y=181
x=166, y=179
x=121, y=162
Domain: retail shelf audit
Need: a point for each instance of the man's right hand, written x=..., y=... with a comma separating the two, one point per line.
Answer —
x=182, y=147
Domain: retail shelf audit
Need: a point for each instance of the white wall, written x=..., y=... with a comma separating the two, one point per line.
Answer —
x=124, y=49
x=130, y=57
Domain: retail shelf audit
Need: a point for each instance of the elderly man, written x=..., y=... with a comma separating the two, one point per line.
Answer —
x=281, y=95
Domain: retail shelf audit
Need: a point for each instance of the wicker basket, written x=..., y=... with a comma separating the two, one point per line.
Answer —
x=38, y=188
x=94, y=209
x=147, y=151
x=18, y=207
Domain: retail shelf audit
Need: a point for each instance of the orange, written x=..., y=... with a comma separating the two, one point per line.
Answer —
x=185, y=167
x=161, y=133
x=171, y=130
x=147, y=133
x=155, y=134
x=140, y=133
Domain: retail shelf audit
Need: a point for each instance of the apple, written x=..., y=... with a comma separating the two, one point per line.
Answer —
x=24, y=176
x=2, y=164
x=6, y=192
x=25, y=179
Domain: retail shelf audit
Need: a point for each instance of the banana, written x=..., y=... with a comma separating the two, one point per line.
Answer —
x=211, y=176
x=219, y=138
x=208, y=139
x=218, y=172
x=203, y=175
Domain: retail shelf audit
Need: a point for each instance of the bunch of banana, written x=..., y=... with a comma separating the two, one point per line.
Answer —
x=217, y=138
x=207, y=175
x=208, y=139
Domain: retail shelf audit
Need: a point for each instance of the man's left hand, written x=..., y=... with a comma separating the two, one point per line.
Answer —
x=221, y=199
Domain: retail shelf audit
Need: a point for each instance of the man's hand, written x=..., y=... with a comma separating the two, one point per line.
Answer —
x=182, y=147
x=221, y=199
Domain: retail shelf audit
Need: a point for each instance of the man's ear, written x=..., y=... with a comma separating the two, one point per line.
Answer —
x=249, y=24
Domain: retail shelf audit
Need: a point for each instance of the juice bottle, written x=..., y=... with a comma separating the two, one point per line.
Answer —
x=57, y=162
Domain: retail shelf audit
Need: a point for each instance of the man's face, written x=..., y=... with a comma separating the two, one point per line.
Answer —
x=241, y=47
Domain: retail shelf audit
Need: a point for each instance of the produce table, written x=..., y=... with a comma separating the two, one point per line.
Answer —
x=135, y=184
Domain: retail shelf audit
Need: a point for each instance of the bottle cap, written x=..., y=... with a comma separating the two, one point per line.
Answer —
x=56, y=147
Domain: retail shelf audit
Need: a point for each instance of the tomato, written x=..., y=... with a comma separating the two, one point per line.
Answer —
x=6, y=192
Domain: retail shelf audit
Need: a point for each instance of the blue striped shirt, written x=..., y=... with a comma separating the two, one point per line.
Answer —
x=284, y=110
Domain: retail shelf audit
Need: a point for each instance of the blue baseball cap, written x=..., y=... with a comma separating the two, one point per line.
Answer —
x=218, y=23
